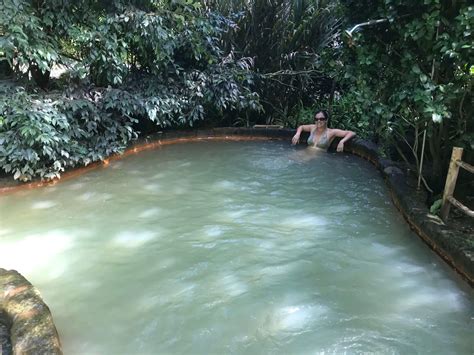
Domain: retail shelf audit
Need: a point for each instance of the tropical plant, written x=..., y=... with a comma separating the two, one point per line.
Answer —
x=409, y=77
x=129, y=62
x=41, y=136
x=286, y=39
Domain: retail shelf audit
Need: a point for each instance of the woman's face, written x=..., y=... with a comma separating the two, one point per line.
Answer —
x=320, y=119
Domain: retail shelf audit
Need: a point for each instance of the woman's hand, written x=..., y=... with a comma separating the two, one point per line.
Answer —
x=345, y=135
x=295, y=139
x=340, y=146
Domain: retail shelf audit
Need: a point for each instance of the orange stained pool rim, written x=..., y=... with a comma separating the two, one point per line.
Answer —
x=129, y=151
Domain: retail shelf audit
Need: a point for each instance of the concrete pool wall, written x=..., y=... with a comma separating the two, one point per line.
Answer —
x=454, y=248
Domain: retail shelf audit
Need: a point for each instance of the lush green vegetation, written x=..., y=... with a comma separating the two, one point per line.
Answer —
x=410, y=75
x=135, y=66
x=158, y=61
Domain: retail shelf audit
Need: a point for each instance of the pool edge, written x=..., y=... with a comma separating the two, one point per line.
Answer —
x=439, y=237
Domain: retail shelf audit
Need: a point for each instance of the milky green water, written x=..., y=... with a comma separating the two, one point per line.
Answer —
x=233, y=247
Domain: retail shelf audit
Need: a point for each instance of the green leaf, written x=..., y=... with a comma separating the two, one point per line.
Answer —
x=436, y=206
x=416, y=69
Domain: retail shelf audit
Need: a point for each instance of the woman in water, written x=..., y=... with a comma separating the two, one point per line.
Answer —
x=320, y=135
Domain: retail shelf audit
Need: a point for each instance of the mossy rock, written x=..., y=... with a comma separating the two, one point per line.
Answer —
x=27, y=317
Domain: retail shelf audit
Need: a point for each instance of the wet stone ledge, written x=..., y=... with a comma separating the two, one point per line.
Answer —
x=27, y=322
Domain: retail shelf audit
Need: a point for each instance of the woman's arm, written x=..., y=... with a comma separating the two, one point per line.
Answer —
x=345, y=135
x=303, y=128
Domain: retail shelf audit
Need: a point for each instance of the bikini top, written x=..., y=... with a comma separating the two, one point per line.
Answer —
x=323, y=141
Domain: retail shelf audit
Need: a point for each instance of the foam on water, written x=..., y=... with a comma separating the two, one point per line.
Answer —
x=440, y=300
x=42, y=205
x=134, y=239
x=237, y=214
x=225, y=185
x=150, y=212
x=154, y=187
x=272, y=164
x=213, y=231
x=230, y=286
x=407, y=268
x=303, y=221
x=158, y=176
x=293, y=318
x=276, y=270
x=86, y=196
x=384, y=250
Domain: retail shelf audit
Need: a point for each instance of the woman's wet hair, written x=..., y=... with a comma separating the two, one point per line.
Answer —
x=324, y=112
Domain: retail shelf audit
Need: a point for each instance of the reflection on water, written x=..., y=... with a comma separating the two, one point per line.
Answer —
x=233, y=247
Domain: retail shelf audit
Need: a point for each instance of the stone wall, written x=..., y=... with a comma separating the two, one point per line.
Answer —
x=27, y=317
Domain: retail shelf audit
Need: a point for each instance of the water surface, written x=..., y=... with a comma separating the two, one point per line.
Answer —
x=233, y=247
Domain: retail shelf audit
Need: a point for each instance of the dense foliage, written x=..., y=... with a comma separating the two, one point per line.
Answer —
x=409, y=75
x=41, y=136
x=158, y=61
x=288, y=40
